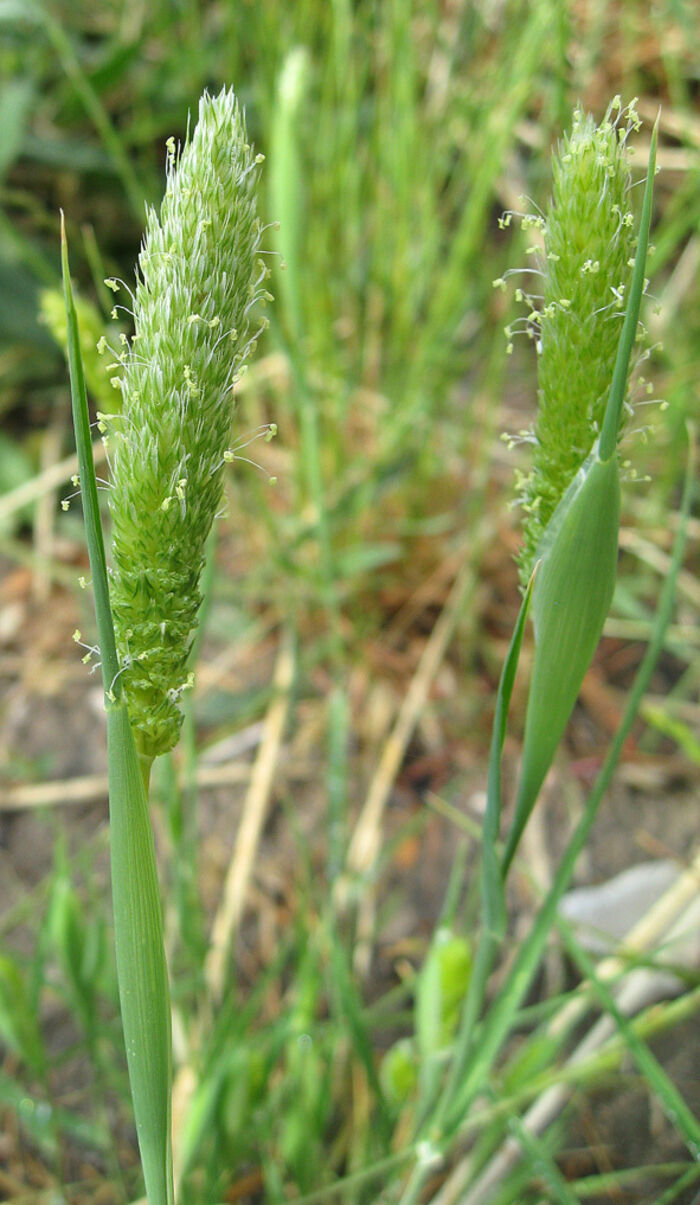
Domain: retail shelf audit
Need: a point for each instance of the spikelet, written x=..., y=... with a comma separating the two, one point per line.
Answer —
x=588, y=242
x=199, y=278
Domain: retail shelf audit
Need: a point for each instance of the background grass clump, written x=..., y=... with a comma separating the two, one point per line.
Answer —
x=318, y=828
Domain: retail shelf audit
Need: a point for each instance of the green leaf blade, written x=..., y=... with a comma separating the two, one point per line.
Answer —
x=570, y=602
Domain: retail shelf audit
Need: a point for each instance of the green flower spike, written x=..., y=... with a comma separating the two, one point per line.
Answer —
x=589, y=241
x=199, y=279
x=574, y=531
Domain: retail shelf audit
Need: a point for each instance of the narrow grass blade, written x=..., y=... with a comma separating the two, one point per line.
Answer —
x=338, y=740
x=349, y=1008
x=138, y=925
x=658, y=1081
x=543, y=1165
x=615, y=1182
x=286, y=183
x=613, y=411
x=19, y=1029
x=493, y=900
x=672, y=1194
x=494, y=909
x=90, y=99
x=88, y=486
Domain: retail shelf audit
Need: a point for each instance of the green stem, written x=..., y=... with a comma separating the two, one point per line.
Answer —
x=492, y=893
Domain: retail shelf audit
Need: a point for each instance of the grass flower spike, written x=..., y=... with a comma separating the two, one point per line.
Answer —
x=199, y=279
x=574, y=532
x=589, y=241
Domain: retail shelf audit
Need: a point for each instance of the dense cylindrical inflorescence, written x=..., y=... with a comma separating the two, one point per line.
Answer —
x=199, y=279
x=588, y=244
x=585, y=358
